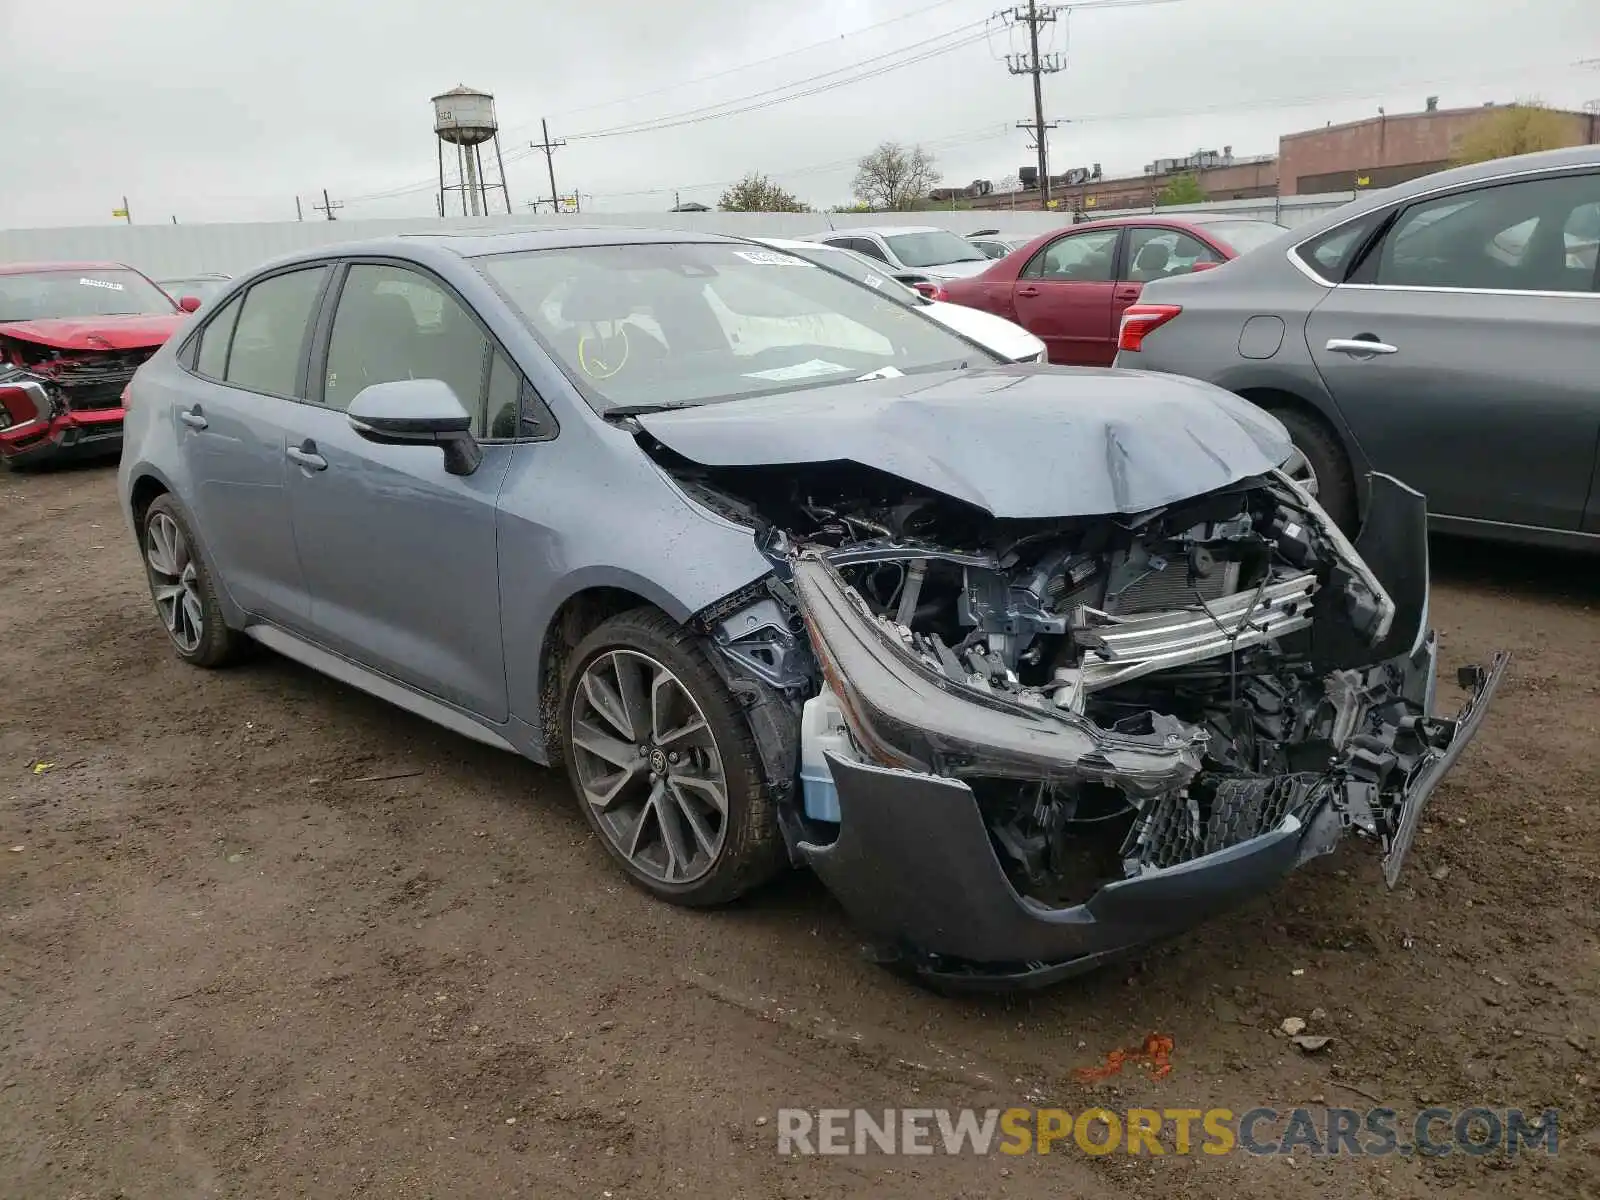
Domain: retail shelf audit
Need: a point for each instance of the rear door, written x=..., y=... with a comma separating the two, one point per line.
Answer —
x=1064, y=297
x=246, y=373
x=1464, y=351
x=399, y=555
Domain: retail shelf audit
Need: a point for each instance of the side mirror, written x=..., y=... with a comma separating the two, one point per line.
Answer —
x=417, y=412
x=189, y=303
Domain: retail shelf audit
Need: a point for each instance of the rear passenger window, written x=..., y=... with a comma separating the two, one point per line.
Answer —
x=212, y=361
x=1509, y=237
x=271, y=332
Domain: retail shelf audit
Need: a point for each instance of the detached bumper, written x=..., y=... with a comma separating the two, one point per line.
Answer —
x=914, y=866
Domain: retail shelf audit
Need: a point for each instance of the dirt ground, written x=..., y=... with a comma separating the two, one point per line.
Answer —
x=234, y=963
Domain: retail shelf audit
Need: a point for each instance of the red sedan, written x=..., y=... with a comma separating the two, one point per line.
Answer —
x=1069, y=287
x=71, y=337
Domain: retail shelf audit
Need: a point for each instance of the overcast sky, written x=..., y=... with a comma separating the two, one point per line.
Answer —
x=220, y=110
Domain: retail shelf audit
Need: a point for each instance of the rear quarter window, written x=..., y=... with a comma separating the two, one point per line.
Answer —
x=1332, y=254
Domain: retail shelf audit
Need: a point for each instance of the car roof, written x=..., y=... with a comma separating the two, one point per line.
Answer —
x=473, y=243
x=884, y=230
x=25, y=268
x=792, y=244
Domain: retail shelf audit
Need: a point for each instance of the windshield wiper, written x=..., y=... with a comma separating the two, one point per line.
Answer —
x=634, y=410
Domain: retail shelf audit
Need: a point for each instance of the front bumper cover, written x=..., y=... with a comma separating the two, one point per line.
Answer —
x=913, y=865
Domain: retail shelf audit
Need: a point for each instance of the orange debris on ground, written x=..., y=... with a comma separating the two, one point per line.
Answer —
x=1155, y=1053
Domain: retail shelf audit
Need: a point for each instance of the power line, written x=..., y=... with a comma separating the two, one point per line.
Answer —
x=932, y=47
x=786, y=56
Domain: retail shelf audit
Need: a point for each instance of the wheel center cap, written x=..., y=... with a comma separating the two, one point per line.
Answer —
x=658, y=762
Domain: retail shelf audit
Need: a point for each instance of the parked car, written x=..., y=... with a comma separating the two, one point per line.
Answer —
x=924, y=621
x=1446, y=331
x=71, y=337
x=201, y=287
x=923, y=256
x=1009, y=341
x=995, y=244
x=1071, y=285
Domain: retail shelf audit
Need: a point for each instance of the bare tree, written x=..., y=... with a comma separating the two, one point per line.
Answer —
x=757, y=193
x=895, y=177
x=1519, y=128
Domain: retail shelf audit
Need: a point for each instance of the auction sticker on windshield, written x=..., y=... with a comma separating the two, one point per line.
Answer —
x=805, y=370
x=771, y=258
x=101, y=283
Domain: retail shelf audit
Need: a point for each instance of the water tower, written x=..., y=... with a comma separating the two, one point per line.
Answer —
x=464, y=118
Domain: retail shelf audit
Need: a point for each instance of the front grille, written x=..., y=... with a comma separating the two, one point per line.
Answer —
x=1173, y=830
x=96, y=381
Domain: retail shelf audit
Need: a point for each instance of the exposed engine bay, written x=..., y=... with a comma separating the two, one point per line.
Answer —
x=1121, y=694
x=43, y=388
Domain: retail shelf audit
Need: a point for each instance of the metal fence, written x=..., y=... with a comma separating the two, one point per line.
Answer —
x=167, y=251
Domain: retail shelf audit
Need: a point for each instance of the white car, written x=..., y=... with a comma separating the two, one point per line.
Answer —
x=911, y=253
x=1008, y=340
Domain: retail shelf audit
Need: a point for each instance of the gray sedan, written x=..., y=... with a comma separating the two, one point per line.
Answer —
x=1032, y=666
x=1445, y=331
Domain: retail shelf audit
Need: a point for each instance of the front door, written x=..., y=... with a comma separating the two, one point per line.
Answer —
x=399, y=555
x=232, y=410
x=1064, y=297
x=1465, y=352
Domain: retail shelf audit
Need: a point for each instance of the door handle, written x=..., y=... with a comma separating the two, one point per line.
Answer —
x=1027, y=291
x=194, y=418
x=1129, y=293
x=306, y=456
x=1361, y=346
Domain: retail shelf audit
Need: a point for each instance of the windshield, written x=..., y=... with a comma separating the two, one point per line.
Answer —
x=40, y=295
x=666, y=326
x=862, y=270
x=933, y=248
x=1245, y=235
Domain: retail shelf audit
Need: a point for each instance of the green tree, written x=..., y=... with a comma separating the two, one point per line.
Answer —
x=894, y=177
x=1182, y=189
x=757, y=193
x=1520, y=128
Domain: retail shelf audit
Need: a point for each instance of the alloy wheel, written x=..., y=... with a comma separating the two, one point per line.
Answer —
x=175, y=582
x=648, y=765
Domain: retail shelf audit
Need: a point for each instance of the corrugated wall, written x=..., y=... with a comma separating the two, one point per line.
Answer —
x=175, y=250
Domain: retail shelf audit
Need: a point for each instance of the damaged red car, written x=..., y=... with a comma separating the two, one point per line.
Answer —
x=71, y=337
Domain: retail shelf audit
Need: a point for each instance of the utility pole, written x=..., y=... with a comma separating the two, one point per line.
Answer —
x=1033, y=64
x=549, y=149
x=328, y=206
x=124, y=212
x=298, y=214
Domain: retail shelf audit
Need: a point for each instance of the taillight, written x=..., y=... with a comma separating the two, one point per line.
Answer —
x=931, y=290
x=1140, y=320
x=126, y=399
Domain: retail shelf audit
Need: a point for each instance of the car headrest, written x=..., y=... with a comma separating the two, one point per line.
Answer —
x=598, y=297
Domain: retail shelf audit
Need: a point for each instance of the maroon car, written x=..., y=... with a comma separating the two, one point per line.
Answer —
x=71, y=337
x=1069, y=287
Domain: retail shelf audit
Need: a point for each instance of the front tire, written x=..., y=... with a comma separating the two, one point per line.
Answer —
x=1335, y=480
x=664, y=764
x=184, y=592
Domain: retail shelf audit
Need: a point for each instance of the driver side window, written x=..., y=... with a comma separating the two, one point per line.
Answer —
x=1076, y=258
x=394, y=323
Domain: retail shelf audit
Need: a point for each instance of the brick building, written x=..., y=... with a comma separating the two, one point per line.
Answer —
x=1385, y=150
x=1377, y=152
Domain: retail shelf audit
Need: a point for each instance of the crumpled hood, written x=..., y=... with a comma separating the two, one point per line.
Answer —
x=1018, y=442
x=96, y=333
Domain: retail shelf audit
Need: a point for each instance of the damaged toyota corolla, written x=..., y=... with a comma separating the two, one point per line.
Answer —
x=1032, y=666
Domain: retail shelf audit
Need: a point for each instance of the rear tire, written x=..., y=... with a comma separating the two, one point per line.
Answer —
x=183, y=589
x=664, y=765
x=1336, y=485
